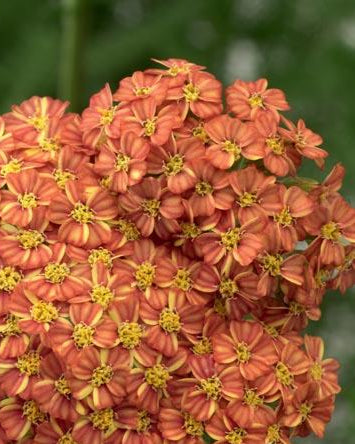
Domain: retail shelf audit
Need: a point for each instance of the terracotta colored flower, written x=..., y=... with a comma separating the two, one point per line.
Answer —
x=95, y=427
x=180, y=426
x=175, y=70
x=149, y=123
x=52, y=431
x=13, y=341
x=247, y=346
x=201, y=93
x=174, y=161
x=152, y=208
x=6, y=139
x=127, y=165
x=83, y=218
x=248, y=100
x=10, y=277
x=140, y=86
x=27, y=193
x=99, y=377
x=307, y=412
x=211, y=190
x=53, y=393
x=210, y=387
x=230, y=140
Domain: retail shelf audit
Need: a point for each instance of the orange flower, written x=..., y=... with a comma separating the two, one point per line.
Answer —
x=13, y=162
x=152, y=208
x=140, y=86
x=32, y=116
x=20, y=418
x=176, y=425
x=247, y=346
x=95, y=427
x=10, y=277
x=170, y=316
x=151, y=124
x=6, y=139
x=53, y=431
x=210, y=387
x=248, y=100
x=27, y=193
x=82, y=217
x=13, y=341
x=306, y=141
x=124, y=167
x=201, y=93
x=307, y=412
x=174, y=161
x=52, y=391
x=85, y=327
x=177, y=70
x=322, y=372
x=98, y=377
x=225, y=430
x=230, y=141
x=211, y=190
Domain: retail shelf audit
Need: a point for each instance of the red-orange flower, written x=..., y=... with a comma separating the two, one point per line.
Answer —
x=140, y=86
x=176, y=425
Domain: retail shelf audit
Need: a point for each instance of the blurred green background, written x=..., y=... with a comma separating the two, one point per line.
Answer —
x=70, y=48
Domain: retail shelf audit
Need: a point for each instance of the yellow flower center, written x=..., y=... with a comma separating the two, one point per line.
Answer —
x=49, y=145
x=122, y=162
x=101, y=375
x=62, y=177
x=169, y=320
x=284, y=218
x=191, y=92
x=220, y=306
x=149, y=126
x=203, y=188
x=191, y=426
x=102, y=295
x=9, y=278
x=212, y=387
x=150, y=207
x=232, y=148
x=144, y=275
x=14, y=166
x=252, y=398
x=242, y=351
x=82, y=213
x=83, y=335
x=66, y=439
x=107, y=115
x=32, y=412
x=236, y=436
x=105, y=182
x=200, y=132
x=296, y=308
x=100, y=255
x=43, y=312
x=62, y=386
x=230, y=238
x=256, y=101
x=11, y=327
x=271, y=330
x=330, y=231
x=190, y=230
x=130, y=334
x=316, y=371
x=182, y=279
x=157, y=376
x=272, y=264
x=27, y=200
x=174, y=165
x=38, y=122
x=247, y=199
x=305, y=410
x=283, y=374
x=128, y=229
x=56, y=273
x=143, y=421
x=142, y=91
x=30, y=239
x=276, y=145
x=228, y=288
x=203, y=346
x=102, y=419
x=273, y=434
x=29, y=363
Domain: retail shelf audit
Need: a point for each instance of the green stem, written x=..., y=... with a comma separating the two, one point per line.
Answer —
x=71, y=68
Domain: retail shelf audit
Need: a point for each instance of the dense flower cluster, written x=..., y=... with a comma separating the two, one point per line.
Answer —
x=159, y=259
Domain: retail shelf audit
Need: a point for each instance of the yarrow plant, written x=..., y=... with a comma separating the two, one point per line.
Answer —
x=159, y=260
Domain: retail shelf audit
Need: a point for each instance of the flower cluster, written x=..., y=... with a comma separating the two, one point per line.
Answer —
x=159, y=259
